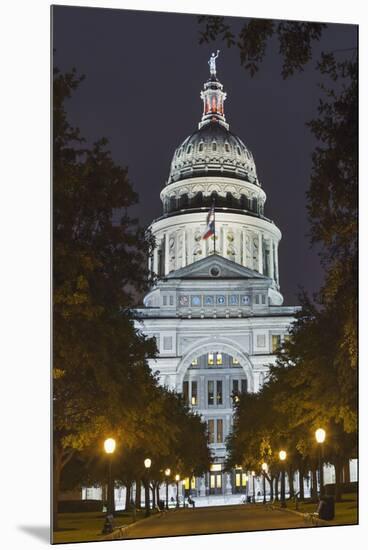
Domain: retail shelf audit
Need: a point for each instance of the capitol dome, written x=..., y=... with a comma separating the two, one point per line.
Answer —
x=213, y=150
x=212, y=165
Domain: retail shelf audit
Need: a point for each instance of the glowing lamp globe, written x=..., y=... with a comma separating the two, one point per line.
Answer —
x=320, y=435
x=148, y=463
x=167, y=472
x=282, y=455
x=177, y=477
x=109, y=445
x=264, y=467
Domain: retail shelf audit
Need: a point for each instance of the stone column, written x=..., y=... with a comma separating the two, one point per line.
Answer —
x=184, y=249
x=260, y=253
x=155, y=260
x=224, y=242
x=244, y=244
x=277, y=261
x=167, y=255
x=272, y=274
x=228, y=488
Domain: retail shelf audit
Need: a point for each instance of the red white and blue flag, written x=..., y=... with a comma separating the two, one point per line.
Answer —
x=210, y=229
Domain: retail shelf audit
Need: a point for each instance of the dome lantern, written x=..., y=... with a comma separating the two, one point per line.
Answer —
x=213, y=97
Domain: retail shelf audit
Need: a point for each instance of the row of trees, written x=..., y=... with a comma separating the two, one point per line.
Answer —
x=314, y=381
x=102, y=384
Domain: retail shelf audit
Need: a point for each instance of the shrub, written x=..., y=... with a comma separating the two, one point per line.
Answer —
x=351, y=487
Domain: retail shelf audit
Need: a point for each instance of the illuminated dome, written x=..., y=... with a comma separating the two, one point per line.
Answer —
x=213, y=151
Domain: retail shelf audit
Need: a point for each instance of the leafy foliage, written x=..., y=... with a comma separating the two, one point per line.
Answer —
x=295, y=40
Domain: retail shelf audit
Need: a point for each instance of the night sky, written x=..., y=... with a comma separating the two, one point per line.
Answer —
x=144, y=73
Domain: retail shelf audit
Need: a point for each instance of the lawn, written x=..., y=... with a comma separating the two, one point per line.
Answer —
x=346, y=512
x=87, y=526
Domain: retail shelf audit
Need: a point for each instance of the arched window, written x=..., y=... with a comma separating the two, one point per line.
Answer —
x=172, y=203
x=214, y=146
x=183, y=201
x=243, y=202
x=189, y=150
x=255, y=205
x=227, y=147
x=200, y=147
x=179, y=152
x=238, y=150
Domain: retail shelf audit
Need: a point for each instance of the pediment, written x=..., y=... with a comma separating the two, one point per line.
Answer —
x=215, y=267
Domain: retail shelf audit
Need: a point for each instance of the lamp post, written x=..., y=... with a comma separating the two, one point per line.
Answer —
x=264, y=470
x=109, y=446
x=167, y=474
x=254, y=495
x=177, y=479
x=147, y=465
x=282, y=457
x=320, y=438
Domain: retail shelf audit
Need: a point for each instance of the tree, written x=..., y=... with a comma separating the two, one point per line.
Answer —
x=99, y=358
x=295, y=40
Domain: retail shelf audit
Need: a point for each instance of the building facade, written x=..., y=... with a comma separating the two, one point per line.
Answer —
x=215, y=306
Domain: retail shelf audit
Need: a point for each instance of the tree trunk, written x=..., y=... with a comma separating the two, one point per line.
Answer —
x=338, y=479
x=346, y=471
x=56, y=474
x=291, y=482
x=158, y=493
x=138, y=489
x=153, y=496
x=271, y=488
x=277, y=487
x=301, y=484
x=128, y=488
x=314, y=492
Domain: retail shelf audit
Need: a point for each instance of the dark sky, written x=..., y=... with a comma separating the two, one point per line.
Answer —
x=144, y=73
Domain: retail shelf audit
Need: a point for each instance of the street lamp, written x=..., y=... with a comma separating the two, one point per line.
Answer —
x=282, y=457
x=254, y=495
x=167, y=474
x=147, y=465
x=264, y=470
x=109, y=448
x=177, y=479
x=320, y=438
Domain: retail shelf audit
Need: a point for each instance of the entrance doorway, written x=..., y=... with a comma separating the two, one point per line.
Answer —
x=215, y=483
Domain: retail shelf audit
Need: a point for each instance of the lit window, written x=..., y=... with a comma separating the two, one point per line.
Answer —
x=193, y=483
x=211, y=430
x=211, y=392
x=210, y=359
x=194, y=399
x=219, y=431
x=235, y=361
x=237, y=480
x=219, y=358
x=244, y=479
x=219, y=392
x=194, y=362
x=276, y=341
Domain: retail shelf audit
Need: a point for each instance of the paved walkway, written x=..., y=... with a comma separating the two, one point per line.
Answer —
x=219, y=519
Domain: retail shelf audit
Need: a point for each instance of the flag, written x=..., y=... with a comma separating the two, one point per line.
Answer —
x=210, y=229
